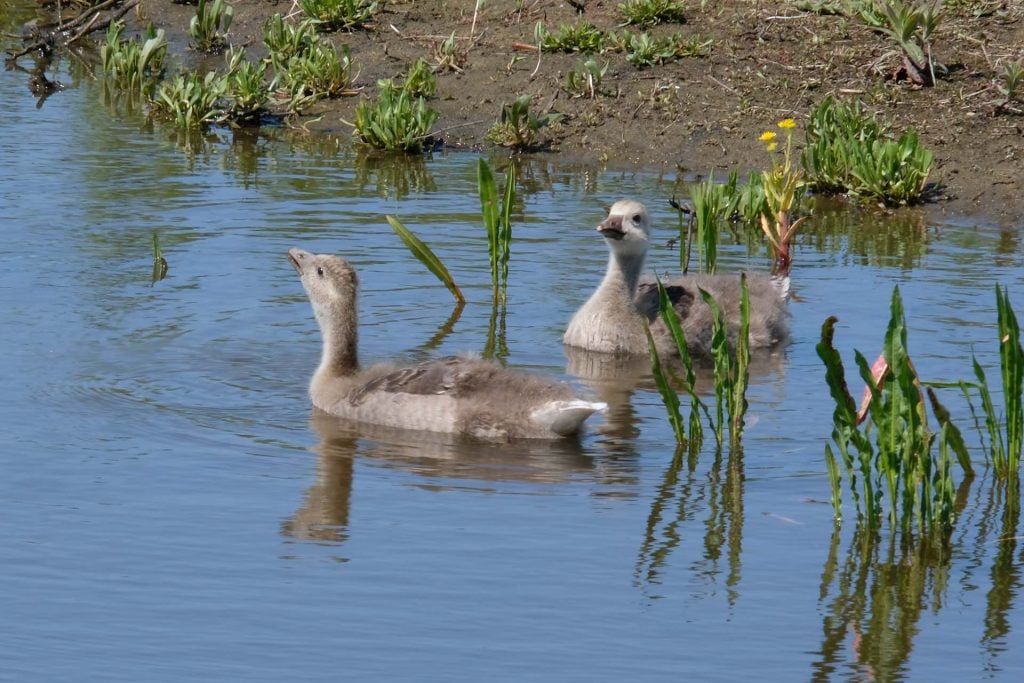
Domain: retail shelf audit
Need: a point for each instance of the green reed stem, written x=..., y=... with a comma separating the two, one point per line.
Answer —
x=497, y=221
x=668, y=394
x=1011, y=362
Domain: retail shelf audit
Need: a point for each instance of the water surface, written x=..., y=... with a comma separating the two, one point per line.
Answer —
x=172, y=508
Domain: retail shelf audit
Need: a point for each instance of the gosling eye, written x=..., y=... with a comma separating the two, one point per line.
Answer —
x=636, y=218
x=319, y=271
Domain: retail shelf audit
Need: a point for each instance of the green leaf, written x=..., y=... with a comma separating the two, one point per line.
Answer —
x=425, y=256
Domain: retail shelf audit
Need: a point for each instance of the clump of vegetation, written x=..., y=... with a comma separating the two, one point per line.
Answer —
x=581, y=37
x=285, y=40
x=585, y=80
x=343, y=15
x=913, y=28
x=651, y=12
x=892, y=456
x=210, y=24
x=246, y=88
x=396, y=121
x=643, y=50
x=130, y=64
x=449, y=56
x=1009, y=87
x=419, y=80
x=847, y=150
x=517, y=126
x=783, y=186
x=321, y=71
x=191, y=101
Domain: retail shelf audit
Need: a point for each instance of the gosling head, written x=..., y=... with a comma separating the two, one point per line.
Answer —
x=627, y=228
x=328, y=280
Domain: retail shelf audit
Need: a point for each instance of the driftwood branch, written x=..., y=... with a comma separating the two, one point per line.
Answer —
x=66, y=33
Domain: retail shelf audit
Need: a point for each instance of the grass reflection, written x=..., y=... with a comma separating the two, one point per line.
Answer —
x=681, y=494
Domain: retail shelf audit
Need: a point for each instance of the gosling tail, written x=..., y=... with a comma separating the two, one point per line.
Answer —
x=565, y=418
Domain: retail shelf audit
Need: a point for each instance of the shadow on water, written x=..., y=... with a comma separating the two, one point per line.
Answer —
x=874, y=598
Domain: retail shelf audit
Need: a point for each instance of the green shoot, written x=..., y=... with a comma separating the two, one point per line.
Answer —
x=427, y=257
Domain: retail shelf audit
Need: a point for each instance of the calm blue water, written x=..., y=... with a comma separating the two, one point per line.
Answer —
x=171, y=508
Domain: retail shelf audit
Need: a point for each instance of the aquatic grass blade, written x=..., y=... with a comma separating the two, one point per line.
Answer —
x=427, y=257
x=1011, y=362
x=668, y=394
x=490, y=213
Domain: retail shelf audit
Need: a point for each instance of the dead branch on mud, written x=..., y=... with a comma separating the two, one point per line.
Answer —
x=95, y=18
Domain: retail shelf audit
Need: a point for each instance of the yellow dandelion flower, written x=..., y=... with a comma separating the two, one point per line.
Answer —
x=767, y=136
x=772, y=146
x=787, y=124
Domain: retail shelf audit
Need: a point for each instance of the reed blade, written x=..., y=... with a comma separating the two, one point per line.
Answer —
x=427, y=257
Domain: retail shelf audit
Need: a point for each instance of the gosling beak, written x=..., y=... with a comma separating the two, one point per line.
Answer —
x=611, y=228
x=295, y=256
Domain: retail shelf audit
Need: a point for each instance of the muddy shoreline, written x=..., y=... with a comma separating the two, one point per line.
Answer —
x=767, y=61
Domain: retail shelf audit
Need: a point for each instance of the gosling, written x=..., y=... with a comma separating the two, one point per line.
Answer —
x=458, y=395
x=612, y=320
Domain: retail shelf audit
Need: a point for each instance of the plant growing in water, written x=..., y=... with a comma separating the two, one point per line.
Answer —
x=1004, y=445
x=898, y=463
x=130, y=64
x=783, y=186
x=191, y=101
x=285, y=40
x=497, y=222
x=321, y=71
x=517, y=126
x=664, y=379
x=396, y=121
x=210, y=24
x=712, y=204
x=731, y=368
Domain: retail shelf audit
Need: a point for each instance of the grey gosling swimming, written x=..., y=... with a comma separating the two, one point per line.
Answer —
x=456, y=395
x=611, y=321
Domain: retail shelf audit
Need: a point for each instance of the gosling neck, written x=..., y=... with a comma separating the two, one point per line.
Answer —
x=623, y=272
x=338, y=326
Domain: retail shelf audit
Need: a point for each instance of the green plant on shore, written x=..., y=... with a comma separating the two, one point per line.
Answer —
x=517, y=126
x=396, y=121
x=848, y=150
x=285, y=40
x=419, y=79
x=210, y=24
x=1009, y=86
x=246, y=88
x=130, y=64
x=426, y=256
x=643, y=50
x=913, y=27
x=892, y=171
x=191, y=101
x=321, y=71
x=891, y=458
x=497, y=222
x=585, y=79
x=580, y=37
x=340, y=15
x=651, y=12
x=449, y=56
